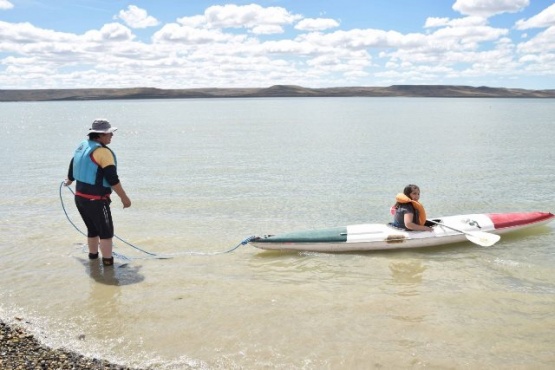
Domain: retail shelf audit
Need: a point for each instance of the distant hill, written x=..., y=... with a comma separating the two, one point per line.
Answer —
x=431, y=91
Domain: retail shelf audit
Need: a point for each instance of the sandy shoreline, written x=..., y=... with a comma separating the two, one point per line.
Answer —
x=20, y=350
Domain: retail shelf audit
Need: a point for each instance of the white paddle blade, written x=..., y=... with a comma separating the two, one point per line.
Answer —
x=482, y=238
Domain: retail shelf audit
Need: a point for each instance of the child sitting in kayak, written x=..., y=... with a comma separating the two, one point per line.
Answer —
x=408, y=213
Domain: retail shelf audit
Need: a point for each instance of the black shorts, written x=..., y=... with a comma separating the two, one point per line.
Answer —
x=97, y=216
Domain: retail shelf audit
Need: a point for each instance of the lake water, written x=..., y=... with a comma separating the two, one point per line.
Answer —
x=205, y=174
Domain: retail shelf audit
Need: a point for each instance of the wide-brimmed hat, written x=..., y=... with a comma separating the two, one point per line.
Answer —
x=101, y=126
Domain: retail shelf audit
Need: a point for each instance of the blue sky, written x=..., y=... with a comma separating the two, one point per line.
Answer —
x=324, y=43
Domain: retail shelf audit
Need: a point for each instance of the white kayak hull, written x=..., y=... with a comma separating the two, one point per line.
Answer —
x=371, y=237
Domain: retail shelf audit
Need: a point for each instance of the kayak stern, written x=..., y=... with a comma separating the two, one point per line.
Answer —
x=519, y=220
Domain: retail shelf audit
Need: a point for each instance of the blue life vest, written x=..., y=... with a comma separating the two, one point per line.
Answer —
x=84, y=168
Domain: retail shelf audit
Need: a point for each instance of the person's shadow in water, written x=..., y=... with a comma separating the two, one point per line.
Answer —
x=124, y=274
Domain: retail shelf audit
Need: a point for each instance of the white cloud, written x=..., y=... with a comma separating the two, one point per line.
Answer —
x=318, y=24
x=225, y=47
x=488, y=8
x=25, y=33
x=194, y=21
x=246, y=16
x=110, y=32
x=175, y=33
x=136, y=17
x=542, y=43
x=5, y=5
x=545, y=18
x=432, y=22
x=362, y=38
x=457, y=22
x=450, y=52
x=467, y=37
x=289, y=47
x=253, y=17
x=267, y=29
x=537, y=53
x=540, y=64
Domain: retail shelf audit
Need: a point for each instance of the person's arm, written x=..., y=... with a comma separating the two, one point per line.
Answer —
x=105, y=160
x=111, y=175
x=412, y=226
x=122, y=195
x=69, y=180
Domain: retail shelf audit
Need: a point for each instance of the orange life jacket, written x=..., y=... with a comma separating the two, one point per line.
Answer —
x=402, y=198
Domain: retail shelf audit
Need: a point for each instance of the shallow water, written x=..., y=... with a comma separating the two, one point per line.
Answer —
x=205, y=174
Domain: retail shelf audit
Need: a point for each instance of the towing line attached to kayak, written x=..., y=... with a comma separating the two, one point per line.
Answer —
x=150, y=254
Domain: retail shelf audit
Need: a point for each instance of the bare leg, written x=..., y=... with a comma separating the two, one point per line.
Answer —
x=93, y=247
x=93, y=244
x=106, y=247
x=106, y=250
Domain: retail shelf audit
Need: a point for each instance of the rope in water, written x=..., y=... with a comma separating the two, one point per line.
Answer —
x=152, y=255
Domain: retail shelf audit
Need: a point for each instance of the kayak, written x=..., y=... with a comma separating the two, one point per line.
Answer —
x=483, y=229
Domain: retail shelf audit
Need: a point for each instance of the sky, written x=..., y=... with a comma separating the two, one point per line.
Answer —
x=182, y=44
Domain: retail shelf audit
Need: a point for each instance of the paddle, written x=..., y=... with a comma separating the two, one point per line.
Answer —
x=477, y=237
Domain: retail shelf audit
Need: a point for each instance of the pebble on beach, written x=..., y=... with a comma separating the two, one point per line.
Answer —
x=19, y=350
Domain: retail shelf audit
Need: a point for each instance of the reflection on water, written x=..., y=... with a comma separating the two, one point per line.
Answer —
x=407, y=279
x=118, y=274
x=407, y=275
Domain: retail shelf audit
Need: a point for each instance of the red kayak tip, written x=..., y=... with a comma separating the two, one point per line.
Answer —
x=504, y=220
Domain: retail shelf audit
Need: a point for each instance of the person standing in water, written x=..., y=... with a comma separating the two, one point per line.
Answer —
x=94, y=166
x=408, y=212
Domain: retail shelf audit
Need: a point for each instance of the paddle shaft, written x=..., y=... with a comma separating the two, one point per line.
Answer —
x=449, y=227
x=478, y=237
